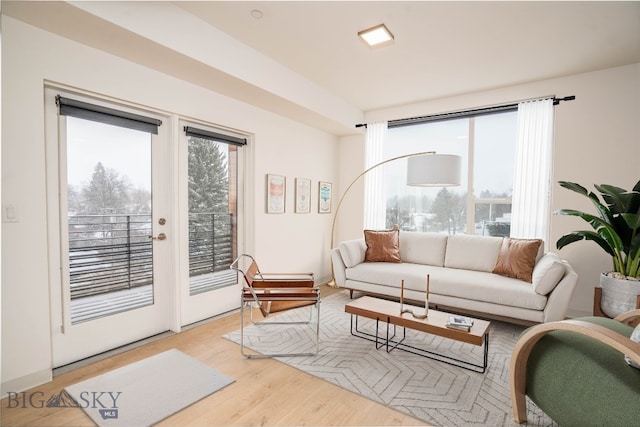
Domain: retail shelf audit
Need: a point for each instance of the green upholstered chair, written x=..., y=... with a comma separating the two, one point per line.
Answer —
x=574, y=371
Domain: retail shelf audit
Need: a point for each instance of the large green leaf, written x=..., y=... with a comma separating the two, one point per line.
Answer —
x=603, y=210
x=577, y=188
x=632, y=220
x=601, y=227
x=575, y=236
x=614, y=197
x=633, y=203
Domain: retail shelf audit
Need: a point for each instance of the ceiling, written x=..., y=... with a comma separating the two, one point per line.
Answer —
x=440, y=49
x=303, y=59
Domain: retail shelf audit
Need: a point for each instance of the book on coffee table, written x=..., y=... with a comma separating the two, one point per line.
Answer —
x=459, y=322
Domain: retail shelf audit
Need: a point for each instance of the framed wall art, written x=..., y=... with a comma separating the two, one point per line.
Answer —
x=303, y=195
x=324, y=197
x=276, y=193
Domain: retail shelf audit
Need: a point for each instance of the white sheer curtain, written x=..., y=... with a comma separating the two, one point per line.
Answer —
x=375, y=203
x=531, y=184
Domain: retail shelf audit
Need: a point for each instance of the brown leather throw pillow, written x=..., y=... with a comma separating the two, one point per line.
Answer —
x=382, y=246
x=517, y=257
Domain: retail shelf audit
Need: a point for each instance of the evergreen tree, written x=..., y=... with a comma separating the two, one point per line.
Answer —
x=208, y=178
x=449, y=208
x=208, y=198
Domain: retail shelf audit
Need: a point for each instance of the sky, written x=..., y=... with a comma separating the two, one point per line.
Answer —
x=494, y=154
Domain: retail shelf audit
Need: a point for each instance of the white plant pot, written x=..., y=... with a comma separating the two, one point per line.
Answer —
x=618, y=295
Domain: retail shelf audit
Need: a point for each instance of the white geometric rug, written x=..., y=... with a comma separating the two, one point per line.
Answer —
x=436, y=392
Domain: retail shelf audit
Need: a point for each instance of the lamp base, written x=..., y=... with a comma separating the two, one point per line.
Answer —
x=332, y=283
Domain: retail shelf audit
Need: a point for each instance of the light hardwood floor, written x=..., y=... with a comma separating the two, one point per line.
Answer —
x=265, y=392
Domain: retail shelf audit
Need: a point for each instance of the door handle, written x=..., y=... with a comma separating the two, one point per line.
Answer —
x=161, y=236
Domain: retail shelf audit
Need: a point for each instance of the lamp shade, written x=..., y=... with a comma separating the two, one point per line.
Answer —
x=433, y=170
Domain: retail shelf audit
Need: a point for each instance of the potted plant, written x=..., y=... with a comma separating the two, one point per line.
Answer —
x=616, y=231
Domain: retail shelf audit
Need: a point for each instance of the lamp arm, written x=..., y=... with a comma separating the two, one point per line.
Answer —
x=363, y=173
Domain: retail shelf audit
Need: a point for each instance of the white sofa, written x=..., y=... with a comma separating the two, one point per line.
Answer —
x=461, y=279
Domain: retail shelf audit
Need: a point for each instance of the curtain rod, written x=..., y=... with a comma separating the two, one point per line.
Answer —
x=460, y=114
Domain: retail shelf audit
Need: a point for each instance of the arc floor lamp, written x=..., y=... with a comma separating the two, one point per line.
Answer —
x=424, y=169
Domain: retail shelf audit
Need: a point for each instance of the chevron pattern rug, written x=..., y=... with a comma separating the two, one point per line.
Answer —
x=438, y=393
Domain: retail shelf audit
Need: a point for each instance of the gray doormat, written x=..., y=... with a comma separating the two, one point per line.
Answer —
x=147, y=391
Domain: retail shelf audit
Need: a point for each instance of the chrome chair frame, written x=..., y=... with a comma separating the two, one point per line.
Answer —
x=280, y=288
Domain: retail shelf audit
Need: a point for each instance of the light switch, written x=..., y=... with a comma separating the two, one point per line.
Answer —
x=10, y=213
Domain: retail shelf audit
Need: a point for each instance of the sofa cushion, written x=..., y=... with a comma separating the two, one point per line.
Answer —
x=465, y=284
x=423, y=248
x=382, y=246
x=517, y=257
x=547, y=273
x=352, y=251
x=478, y=253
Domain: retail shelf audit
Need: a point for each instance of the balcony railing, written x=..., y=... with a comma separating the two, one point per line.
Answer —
x=109, y=253
x=210, y=243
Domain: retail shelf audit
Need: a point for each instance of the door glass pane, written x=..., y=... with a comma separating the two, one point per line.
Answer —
x=434, y=209
x=109, y=219
x=212, y=214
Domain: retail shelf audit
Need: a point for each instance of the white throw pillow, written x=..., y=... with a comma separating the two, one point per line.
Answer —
x=353, y=252
x=547, y=273
x=635, y=337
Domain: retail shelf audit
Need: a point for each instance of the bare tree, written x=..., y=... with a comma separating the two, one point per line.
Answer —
x=107, y=192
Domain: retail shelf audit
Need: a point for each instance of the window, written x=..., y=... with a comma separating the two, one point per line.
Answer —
x=495, y=138
x=108, y=193
x=212, y=189
x=482, y=204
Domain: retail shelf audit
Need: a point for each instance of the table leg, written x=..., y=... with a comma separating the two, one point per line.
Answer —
x=390, y=344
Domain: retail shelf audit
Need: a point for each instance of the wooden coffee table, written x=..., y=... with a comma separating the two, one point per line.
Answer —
x=389, y=312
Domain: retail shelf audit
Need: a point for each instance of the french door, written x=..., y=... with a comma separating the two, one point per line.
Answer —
x=110, y=225
x=213, y=234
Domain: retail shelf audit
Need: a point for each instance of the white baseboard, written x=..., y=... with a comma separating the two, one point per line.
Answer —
x=24, y=383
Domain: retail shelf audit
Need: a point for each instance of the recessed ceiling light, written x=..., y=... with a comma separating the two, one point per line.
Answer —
x=257, y=13
x=376, y=36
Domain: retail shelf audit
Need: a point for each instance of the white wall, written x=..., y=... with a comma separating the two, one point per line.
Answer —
x=350, y=217
x=31, y=56
x=292, y=241
x=597, y=141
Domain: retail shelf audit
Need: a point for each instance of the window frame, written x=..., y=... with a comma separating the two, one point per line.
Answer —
x=471, y=201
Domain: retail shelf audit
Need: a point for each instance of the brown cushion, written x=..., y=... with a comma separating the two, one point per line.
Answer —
x=382, y=246
x=517, y=257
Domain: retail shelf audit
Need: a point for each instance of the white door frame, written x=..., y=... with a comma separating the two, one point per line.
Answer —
x=74, y=342
x=194, y=308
